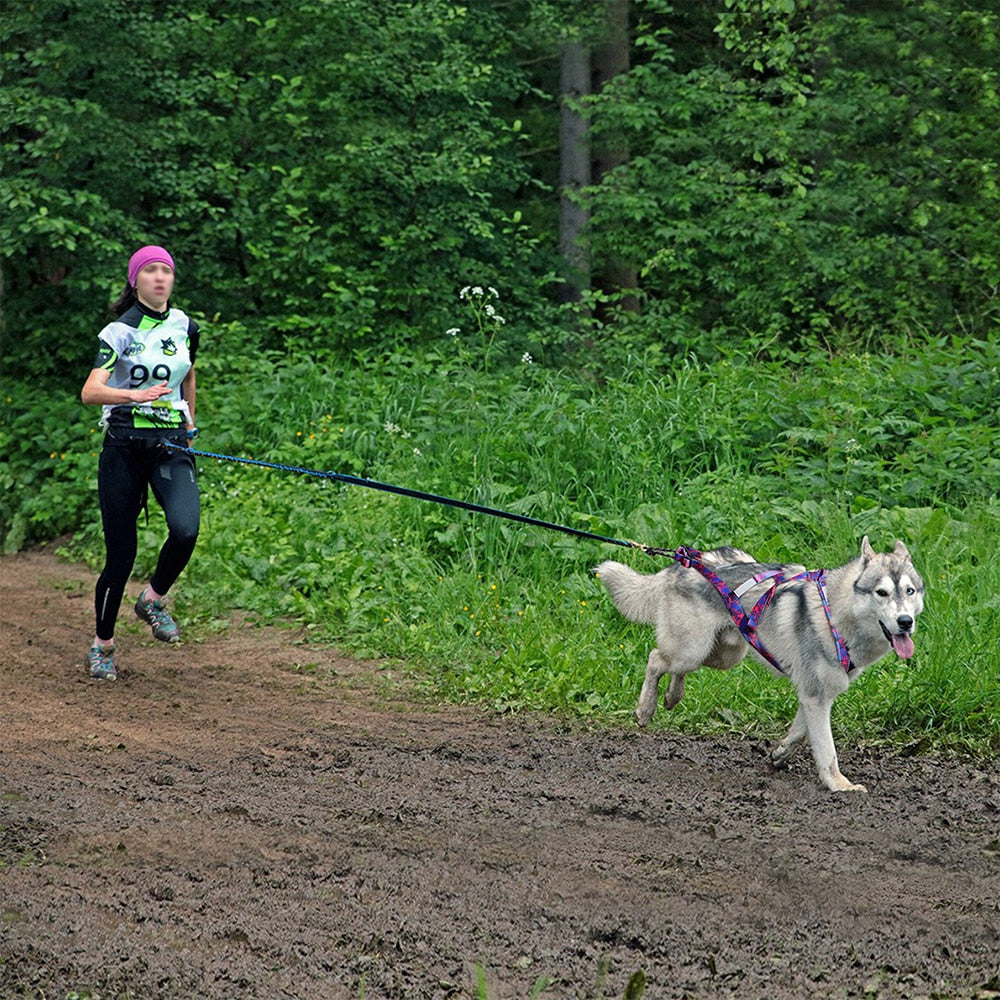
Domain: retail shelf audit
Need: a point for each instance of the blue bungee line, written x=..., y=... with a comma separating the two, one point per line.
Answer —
x=342, y=477
x=686, y=556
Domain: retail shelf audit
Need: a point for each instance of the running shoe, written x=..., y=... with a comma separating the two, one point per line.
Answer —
x=100, y=663
x=155, y=614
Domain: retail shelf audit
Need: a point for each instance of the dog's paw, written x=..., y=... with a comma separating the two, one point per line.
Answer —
x=836, y=782
x=645, y=710
x=847, y=786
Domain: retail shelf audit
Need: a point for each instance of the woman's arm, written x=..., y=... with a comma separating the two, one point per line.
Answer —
x=189, y=389
x=97, y=391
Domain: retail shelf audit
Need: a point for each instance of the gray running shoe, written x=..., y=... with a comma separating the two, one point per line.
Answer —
x=100, y=663
x=155, y=614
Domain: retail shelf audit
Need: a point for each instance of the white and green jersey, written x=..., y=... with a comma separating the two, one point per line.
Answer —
x=144, y=348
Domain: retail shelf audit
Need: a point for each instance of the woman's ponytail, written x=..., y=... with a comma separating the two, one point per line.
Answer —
x=124, y=302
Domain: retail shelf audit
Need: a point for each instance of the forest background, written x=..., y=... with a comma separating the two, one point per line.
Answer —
x=688, y=272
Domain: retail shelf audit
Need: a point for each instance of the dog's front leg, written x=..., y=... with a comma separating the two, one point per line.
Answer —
x=796, y=734
x=816, y=712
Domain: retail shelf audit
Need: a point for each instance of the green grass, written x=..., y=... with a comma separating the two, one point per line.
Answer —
x=791, y=461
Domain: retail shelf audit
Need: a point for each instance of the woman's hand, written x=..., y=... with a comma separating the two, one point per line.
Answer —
x=150, y=394
x=97, y=391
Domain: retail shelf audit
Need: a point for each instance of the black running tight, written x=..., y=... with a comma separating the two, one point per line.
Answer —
x=130, y=463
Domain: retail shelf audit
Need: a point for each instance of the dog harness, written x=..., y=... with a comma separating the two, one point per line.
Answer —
x=747, y=622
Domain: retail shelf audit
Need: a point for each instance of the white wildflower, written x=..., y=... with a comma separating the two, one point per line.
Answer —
x=453, y=332
x=465, y=291
x=391, y=428
x=527, y=358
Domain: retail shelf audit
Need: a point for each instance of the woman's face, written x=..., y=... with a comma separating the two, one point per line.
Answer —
x=153, y=285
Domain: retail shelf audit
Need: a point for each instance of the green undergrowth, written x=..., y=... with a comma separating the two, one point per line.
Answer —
x=793, y=461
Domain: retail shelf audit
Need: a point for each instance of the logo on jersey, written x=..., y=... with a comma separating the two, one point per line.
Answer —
x=169, y=347
x=137, y=347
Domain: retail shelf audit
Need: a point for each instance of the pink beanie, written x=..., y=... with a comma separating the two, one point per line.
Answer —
x=147, y=255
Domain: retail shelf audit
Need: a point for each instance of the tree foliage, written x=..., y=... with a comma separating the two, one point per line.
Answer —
x=805, y=167
x=333, y=173
x=338, y=168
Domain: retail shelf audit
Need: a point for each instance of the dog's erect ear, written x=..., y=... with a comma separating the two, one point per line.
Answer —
x=867, y=552
x=901, y=550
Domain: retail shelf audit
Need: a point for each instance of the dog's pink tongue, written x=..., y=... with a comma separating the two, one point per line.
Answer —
x=903, y=645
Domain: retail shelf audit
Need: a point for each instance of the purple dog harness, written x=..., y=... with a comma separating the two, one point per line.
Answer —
x=747, y=622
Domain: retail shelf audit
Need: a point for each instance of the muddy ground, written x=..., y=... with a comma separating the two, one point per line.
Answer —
x=247, y=815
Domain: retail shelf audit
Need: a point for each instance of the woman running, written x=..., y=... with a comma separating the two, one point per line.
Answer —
x=144, y=379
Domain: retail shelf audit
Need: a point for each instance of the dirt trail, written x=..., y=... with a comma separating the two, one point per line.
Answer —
x=248, y=816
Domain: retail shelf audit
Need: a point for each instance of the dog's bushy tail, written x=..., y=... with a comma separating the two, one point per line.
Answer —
x=634, y=594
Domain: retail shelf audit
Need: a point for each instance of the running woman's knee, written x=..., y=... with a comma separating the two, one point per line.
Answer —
x=184, y=533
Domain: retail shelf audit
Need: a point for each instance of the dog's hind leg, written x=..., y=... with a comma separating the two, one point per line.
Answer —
x=675, y=691
x=816, y=712
x=656, y=667
x=796, y=734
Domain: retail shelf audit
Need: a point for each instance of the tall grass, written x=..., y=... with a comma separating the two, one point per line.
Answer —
x=793, y=462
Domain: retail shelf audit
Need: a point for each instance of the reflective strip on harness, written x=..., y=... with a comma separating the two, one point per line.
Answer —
x=758, y=579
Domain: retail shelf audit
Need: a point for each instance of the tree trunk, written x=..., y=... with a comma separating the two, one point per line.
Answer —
x=611, y=58
x=574, y=169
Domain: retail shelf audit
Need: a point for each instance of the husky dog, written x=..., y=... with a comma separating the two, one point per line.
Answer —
x=873, y=605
